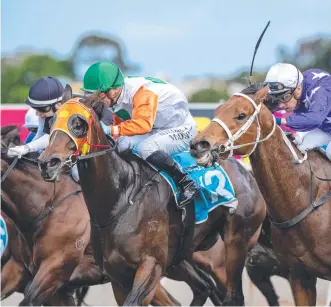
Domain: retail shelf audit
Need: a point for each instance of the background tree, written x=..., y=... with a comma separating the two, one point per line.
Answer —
x=16, y=79
x=21, y=70
x=209, y=95
x=308, y=53
x=92, y=48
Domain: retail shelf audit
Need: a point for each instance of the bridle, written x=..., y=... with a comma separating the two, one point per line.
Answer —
x=229, y=146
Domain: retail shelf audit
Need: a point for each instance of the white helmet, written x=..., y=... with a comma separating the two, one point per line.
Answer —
x=282, y=76
x=31, y=119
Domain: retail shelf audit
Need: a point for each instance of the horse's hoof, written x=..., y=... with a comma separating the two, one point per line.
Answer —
x=234, y=301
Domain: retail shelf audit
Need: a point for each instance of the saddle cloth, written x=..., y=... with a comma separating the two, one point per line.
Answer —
x=215, y=186
x=3, y=235
x=322, y=150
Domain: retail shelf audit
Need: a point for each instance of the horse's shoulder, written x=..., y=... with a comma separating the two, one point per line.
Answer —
x=139, y=164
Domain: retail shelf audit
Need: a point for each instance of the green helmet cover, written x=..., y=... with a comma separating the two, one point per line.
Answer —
x=103, y=76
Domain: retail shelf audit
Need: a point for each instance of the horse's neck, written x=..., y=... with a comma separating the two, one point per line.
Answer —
x=107, y=182
x=280, y=180
x=27, y=194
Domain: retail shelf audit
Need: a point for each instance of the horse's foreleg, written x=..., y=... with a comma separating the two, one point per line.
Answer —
x=145, y=281
x=303, y=288
x=14, y=278
x=119, y=294
x=62, y=298
x=235, y=256
x=264, y=284
x=201, y=289
x=163, y=298
x=49, y=278
x=212, y=261
x=81, y=294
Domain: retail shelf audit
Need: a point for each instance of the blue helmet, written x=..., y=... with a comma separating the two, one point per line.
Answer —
x=44, y=92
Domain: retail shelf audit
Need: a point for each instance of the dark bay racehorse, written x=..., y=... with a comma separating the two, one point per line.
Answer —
x=59, y=252
x=88, y=273
x=297, y=196
x=136, y=226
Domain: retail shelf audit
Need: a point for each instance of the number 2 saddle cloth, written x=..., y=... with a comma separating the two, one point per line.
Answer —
x=215, y=186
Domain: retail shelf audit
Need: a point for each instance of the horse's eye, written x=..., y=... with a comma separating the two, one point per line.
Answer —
x=241, y=116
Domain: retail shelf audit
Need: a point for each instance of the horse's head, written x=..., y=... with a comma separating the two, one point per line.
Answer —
x=235, y=128
x=75, y=129
x=10, y=136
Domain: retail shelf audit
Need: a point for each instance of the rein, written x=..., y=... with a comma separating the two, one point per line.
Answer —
x=10, y=168
x=13, y=164
x=313, y=205
x=47, y=211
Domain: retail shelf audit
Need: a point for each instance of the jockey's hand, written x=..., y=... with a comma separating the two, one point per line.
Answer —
x=105, y=128
x=18, y=151
x=298, y=138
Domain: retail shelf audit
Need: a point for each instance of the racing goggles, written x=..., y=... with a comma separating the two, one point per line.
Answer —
x=279, y=92
x=277, y=98
x=44, y=109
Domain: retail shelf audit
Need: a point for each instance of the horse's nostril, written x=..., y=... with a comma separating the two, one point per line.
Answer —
x=53, y=162
x=202, y=145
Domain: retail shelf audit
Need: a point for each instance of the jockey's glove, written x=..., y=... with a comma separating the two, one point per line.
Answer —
x=298, y=138
x=18, y=151
x=105, y=128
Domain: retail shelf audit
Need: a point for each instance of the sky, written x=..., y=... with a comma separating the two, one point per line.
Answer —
x=176, y=37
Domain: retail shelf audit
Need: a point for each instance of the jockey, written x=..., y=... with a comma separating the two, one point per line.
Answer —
x=150, y=116
x=31, y=123
x=308, y=96
x=45, y=97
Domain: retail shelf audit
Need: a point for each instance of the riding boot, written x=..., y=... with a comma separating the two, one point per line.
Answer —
x=188, y=188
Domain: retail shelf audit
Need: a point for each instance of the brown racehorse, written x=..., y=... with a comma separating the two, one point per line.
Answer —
x=291, y=186
x=135, y=223
x=14, y=275
x=60, y=229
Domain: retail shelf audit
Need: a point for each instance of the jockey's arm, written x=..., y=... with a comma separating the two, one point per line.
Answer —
x=143, y=115
x=40, y=140
x=38, y=144
x=318, y=110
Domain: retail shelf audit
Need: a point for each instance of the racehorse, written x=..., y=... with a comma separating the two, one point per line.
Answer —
x=295, y=188
x=54, y=263
x=87, y=273
x=53, y=221
x=136, y=226
x=14, y=275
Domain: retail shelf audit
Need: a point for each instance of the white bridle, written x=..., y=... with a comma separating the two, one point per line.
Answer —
x=229, y=144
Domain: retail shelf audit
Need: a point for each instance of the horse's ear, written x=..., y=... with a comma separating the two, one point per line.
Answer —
x=67, y=93
x=261, y=95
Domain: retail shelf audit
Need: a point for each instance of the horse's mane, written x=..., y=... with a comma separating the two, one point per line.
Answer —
x=253, y=89
x=95, y=102
x=9, y=128
x=10, y=134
